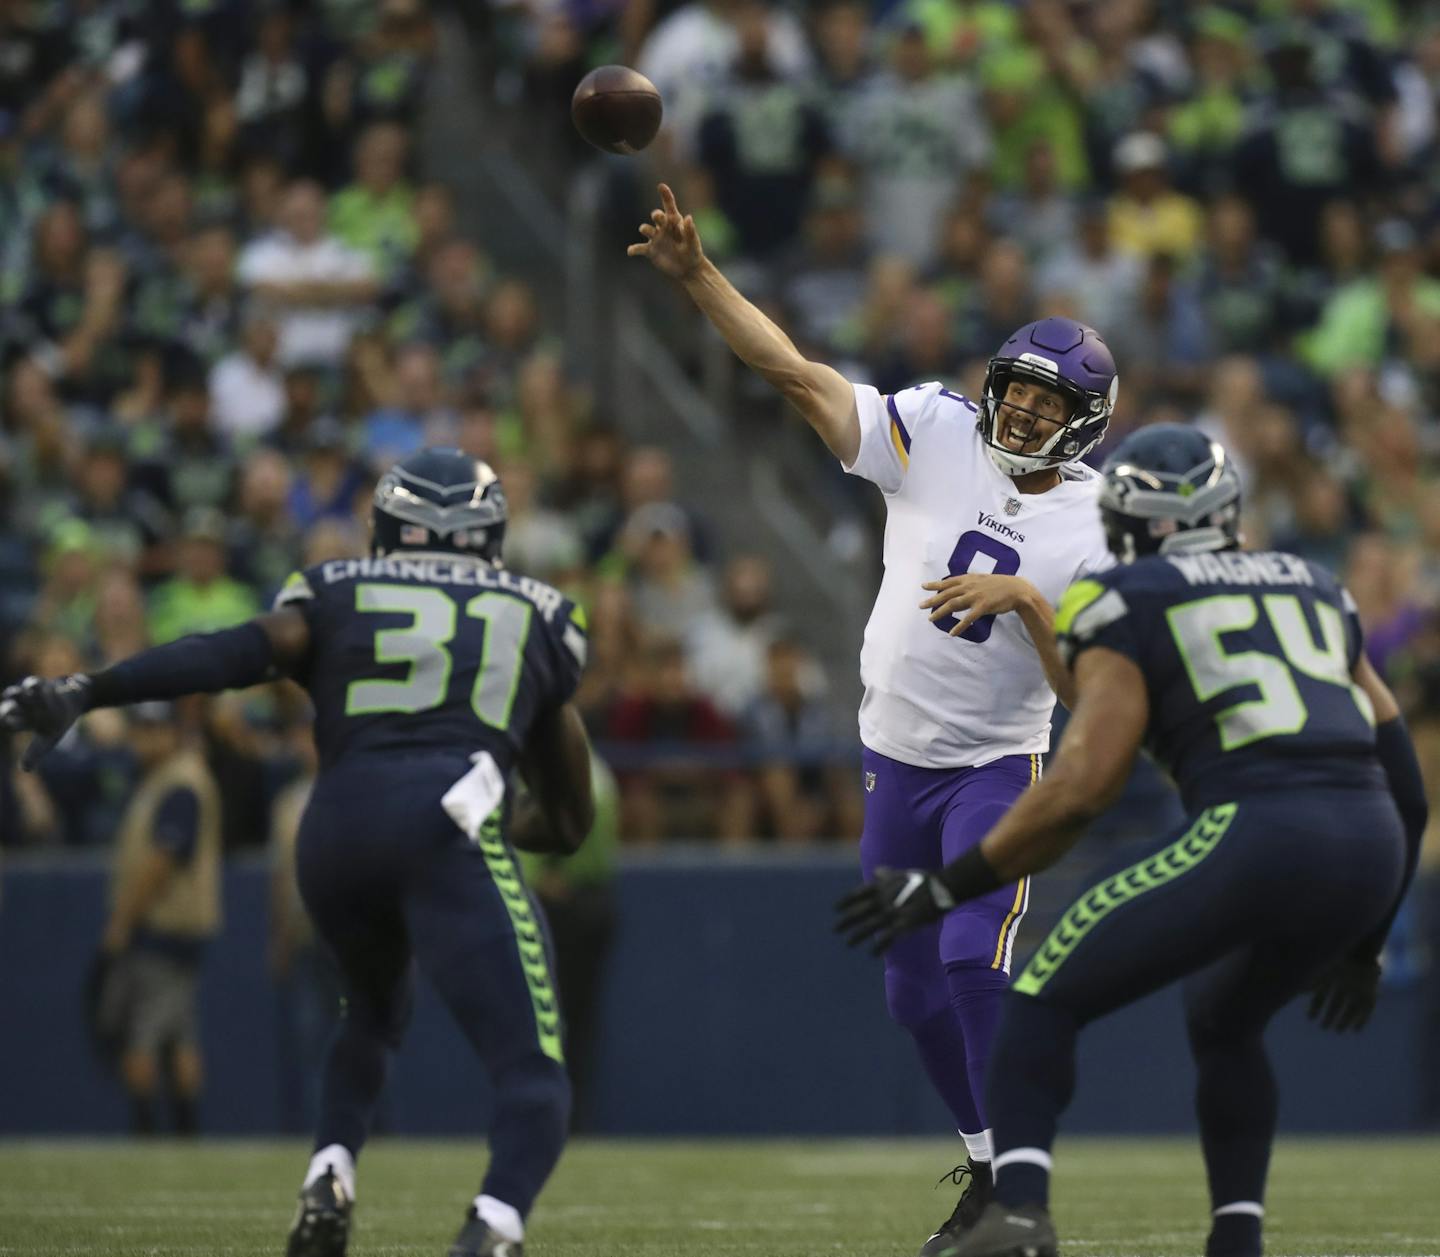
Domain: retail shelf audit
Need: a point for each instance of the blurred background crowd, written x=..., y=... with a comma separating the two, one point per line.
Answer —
x=230, y=295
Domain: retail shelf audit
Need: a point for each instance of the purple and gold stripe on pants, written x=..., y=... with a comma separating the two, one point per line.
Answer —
x=1011, y=925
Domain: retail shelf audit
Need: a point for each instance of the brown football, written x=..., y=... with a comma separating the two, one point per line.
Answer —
x=616, y=109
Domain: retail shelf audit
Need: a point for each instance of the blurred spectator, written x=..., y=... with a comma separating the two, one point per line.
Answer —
x=318, y=285
x=273, y=88
x=823, y=282
x=538, y=541
x=375, y=215
x=671, y=591
x=1098, y=280
x=674, y=755
x=692, y=49
x=806, y=791
x=263, y=537
x=179, y=456
x=1040, y=215
x=1241, y=281
x=327, y=478
x=760, y=141
x=726, y=646
x=1395, y=312
x=1147, y=216
x=165, y=905
x=1302, y=149
x=202, y=596
x=904, y=131
x=247, y=388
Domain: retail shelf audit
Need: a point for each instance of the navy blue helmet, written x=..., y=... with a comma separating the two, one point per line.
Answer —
x=1068, y=357
x=1169, y=489
x=440, y=499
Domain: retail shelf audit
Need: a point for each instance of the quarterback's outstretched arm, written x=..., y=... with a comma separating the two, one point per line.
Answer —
x=820, y=393
x=1094, y=760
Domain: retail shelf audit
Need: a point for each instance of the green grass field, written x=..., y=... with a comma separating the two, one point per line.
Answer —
x=1138, y=1198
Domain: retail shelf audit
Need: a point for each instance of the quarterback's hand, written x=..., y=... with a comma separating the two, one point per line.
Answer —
x=973, y=595
x=1344, y=997
x=897, y=901
x=45, y=708
x=671, y=242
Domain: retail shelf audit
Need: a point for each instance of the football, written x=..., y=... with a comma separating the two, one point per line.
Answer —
x=616, y=109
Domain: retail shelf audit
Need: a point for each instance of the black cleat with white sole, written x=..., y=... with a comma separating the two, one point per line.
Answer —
x=322, y=1223
x=1007, y=1231
x=977, y=1194
x=476, y=1239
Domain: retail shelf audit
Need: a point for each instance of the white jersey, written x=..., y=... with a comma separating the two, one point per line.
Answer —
x=933, y=700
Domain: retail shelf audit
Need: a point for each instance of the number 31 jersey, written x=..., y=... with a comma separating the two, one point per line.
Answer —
x=437, y=653
x=933, y=700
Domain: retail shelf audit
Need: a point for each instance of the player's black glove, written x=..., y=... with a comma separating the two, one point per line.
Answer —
x=1344, y=997
x=897, y=901
x=46, y=709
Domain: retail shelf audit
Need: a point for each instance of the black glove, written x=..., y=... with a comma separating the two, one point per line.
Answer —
x=896, y=902
x=45, y=708
x=1344, y=997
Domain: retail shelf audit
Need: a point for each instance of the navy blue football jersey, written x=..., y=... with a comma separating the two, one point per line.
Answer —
x=431, y=653
x=1247, y=659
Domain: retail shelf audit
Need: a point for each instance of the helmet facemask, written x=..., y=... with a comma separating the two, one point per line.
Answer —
x=1087, y=415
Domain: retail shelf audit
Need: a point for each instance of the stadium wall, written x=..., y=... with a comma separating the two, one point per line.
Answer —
x=730, y=1009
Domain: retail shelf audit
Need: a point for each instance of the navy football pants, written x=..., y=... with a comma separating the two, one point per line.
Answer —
x=1247, y=903
x=390, y=882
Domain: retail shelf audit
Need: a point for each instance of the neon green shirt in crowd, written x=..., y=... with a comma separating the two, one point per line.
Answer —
x=1352, y=327
x=594, y=863
x=180, y=606
x=381, y=226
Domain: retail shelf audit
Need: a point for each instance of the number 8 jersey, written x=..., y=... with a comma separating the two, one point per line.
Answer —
x=443, y=653
x=932, y=700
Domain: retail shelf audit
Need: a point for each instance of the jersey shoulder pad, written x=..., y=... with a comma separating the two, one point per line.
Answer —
x=920, y=405
x=575, y=633
x=1090, y=604
x=298, y=590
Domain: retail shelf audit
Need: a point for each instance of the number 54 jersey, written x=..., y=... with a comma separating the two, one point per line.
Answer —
x=932, y=700
x=432, y=653
x=1248, y=661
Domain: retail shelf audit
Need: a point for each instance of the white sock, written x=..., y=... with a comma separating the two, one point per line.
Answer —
x=501, y=1218
x=979, y=1146
x=337, y=1160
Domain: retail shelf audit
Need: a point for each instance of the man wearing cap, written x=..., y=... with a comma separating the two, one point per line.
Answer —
x=1147, y=215
x=164, y=906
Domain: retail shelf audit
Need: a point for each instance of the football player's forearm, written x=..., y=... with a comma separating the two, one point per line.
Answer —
x=1038, y=616
x=820, y=393
x=204, y=663
x=1040, y=828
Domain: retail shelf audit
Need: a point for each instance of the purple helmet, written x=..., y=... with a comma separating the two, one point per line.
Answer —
x=1068, y=357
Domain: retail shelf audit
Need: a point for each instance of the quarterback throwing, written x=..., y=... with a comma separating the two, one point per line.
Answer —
x=990, y=517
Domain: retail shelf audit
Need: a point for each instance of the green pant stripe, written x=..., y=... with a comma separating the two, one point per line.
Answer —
x=529, y=941
x=1100, y=901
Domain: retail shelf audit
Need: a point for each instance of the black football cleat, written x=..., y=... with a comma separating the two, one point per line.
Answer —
x=1007, y=1231
x=476, y=1239
x=322, y=1223
x=968, y=1208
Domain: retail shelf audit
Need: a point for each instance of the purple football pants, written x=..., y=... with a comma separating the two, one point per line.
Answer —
x=944, y=983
